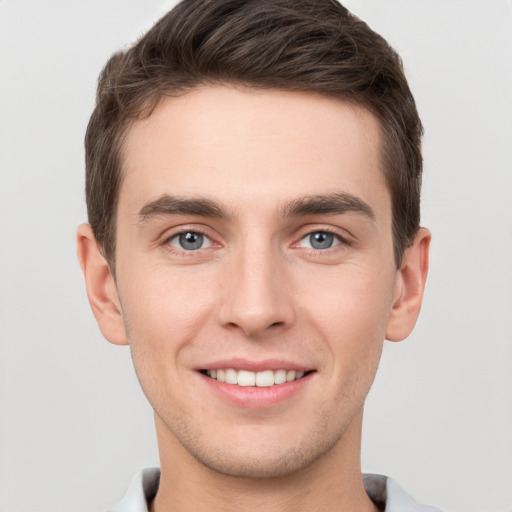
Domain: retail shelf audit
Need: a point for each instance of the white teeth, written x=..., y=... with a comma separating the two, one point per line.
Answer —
x=246, y=378
x=262, y=379
x=280, y=377
x=265, y=379
x=231, y=376
x=291, y=375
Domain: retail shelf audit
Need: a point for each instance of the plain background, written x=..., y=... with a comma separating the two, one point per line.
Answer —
x=75, y=426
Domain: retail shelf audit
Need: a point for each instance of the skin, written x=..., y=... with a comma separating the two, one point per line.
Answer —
x=257, y=290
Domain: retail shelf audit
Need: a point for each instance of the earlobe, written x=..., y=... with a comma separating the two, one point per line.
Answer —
x=410, y=285
x=101, y=287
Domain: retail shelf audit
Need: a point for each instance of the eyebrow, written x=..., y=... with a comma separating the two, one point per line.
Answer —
x=171, y=205
x=322, y=204
x=330, y=204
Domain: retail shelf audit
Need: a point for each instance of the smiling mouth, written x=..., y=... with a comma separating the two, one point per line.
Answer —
x=263, y=379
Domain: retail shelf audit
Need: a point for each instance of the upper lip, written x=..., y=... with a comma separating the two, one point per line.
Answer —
x=255, y=366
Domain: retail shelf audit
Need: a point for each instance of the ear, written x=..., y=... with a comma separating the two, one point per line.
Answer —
x=101, y=287
x=409, y=288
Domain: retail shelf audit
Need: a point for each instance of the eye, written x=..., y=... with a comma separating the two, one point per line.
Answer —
x=190, y=241
x=320, y=240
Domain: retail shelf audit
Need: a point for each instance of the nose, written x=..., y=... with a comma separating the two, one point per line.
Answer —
x=256, y=294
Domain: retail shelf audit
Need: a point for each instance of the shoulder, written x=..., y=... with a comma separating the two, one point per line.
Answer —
x=390, y=497
x=141, y=491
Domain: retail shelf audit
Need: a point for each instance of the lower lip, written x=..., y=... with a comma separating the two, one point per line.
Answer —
x=253, y=397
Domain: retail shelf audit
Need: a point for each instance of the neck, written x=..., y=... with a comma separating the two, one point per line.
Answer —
x=331, y=483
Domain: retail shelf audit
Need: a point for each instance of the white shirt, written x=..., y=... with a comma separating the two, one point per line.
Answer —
x=381, y=489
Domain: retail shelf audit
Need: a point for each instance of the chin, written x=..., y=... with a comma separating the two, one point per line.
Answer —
x=263, y=458
x=254, y=467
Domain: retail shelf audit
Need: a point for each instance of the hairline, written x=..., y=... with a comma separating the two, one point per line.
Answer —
x=154, y=101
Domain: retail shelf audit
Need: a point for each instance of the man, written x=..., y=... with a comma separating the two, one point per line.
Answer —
x=253, y=180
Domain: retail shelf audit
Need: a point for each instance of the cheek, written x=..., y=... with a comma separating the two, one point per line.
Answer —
x=163, y=317
x=352, y=312
x=163, y=312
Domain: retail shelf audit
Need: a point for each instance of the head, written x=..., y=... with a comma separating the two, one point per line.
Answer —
x=253, y=174
x=310, y=46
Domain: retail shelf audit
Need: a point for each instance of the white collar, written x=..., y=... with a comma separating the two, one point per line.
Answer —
x=382, y=490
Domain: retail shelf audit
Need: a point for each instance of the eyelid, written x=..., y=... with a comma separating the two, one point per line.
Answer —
x=176, y=236
x=311, y=229
x=337, y=241
x=171, y=233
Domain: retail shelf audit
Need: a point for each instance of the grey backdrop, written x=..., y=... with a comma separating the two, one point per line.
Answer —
x=74, y=424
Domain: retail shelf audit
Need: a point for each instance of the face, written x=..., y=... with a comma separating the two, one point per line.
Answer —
x=255, y=273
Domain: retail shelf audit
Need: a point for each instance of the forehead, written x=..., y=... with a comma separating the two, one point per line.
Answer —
x=239, y=145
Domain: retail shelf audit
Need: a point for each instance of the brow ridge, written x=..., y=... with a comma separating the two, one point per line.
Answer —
x=174, y=205
x=337, y=203
x=320, y=204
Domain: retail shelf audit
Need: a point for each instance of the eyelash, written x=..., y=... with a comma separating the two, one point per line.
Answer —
x=171, y=248
x=341, y=241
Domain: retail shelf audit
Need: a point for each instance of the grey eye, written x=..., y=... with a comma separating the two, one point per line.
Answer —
x=320, y=240
x=190, y=241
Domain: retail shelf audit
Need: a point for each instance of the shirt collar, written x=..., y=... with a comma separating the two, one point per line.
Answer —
x=383, y=491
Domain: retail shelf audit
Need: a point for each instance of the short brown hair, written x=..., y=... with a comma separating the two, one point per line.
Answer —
x=300, y=45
